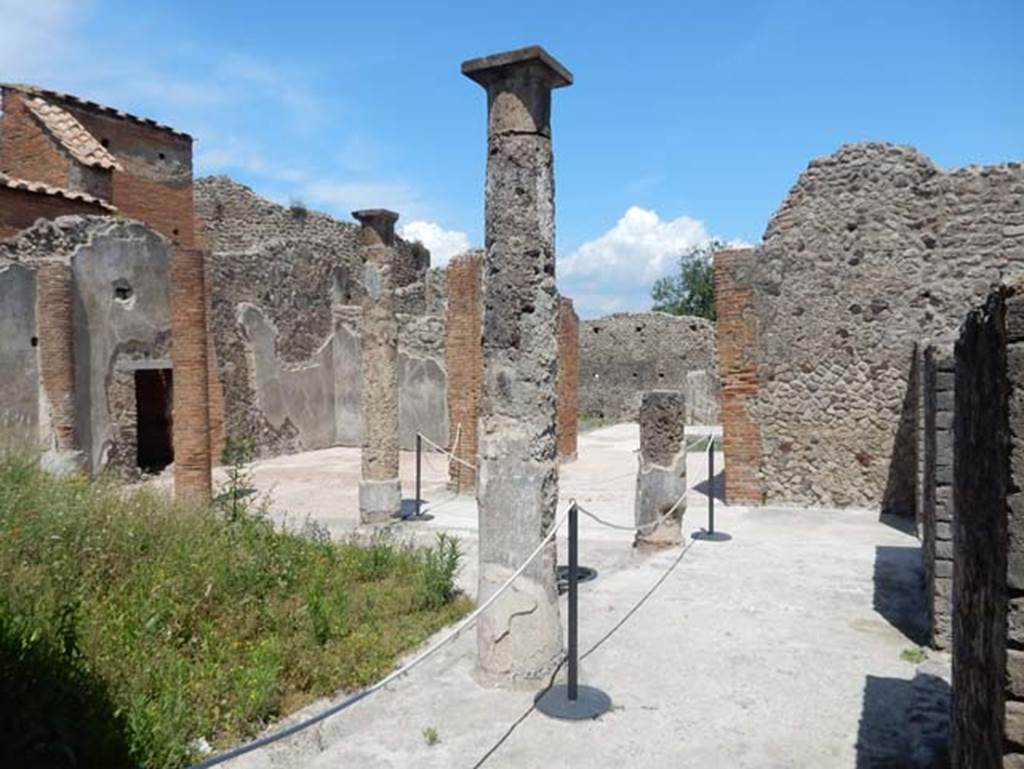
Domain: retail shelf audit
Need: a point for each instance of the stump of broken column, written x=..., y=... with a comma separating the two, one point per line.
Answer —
x=380, y=492
x=519, y=637
x=661, y=477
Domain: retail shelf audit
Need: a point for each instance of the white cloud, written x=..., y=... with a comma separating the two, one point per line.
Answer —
x=640, y=248
x=614, y=272
x=443, y=244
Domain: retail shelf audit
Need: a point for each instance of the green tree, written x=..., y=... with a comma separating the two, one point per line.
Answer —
x=692, y=290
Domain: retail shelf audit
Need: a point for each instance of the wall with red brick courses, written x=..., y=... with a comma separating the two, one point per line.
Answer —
x=736, y=339
x=568, y=379
x=464, y=356
x=156, y=183
x=20, y=209
x=27, y=150
x=56, y=328
x=189, y=353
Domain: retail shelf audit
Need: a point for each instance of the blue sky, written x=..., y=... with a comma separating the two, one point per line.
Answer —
x=687, y=120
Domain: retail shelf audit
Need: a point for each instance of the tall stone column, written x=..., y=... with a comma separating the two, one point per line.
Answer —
x=189, y=354
x=56, y=328
x=661, y=477
x=380, y=494
x=568, y=379
x=519, y=638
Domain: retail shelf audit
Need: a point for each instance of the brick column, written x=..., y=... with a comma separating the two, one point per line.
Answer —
x=661, y=477
x=189, y=346
x=464, y=356
x=380, y=493
x=56, y=328
x=568, y=379
x=519, y=638
x=736, y=346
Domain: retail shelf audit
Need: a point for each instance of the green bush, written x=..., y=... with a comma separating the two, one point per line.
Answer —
x=131, y=626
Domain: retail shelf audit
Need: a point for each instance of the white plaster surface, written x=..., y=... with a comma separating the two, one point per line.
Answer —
x=763, y=651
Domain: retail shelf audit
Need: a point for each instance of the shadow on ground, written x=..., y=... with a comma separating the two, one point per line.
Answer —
x=904, y=724
x=899, y=591
x=718, y=483
x=55, y=714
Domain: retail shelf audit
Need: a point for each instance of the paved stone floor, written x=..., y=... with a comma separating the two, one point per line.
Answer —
x=778, y=648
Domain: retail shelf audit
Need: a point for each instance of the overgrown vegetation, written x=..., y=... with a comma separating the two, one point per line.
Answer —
x=131, y=627
x=692, y=290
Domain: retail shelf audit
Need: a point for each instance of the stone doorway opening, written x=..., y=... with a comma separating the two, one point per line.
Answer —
x=154, y=389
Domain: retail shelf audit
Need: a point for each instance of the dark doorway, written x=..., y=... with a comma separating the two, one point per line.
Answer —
x=153, y=398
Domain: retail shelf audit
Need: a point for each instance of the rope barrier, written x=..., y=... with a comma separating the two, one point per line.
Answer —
x=622, y=621
x=642, y=528
x=394, y=675
x=443, y=450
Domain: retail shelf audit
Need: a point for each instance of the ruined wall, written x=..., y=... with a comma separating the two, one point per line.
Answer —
x=988, y=619
x=873, y=248
x=285, y=285
x=568, y=379
x=625, y=354
x=936, y=518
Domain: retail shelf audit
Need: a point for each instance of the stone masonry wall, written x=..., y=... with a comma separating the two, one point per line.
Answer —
x=936, y=520
x=285, y=286
x=988, y=601
x=873, y=248
x=625, y=354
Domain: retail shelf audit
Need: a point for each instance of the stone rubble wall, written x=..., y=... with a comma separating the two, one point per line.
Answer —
x=285, y=287
x=625, y=354
x=568, y=379
x=873, y=249
x=988, y=579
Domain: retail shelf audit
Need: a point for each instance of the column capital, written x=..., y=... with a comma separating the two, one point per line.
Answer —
x=380, y=222
x=519, y=85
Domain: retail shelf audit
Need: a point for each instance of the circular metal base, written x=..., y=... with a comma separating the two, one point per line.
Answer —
x=415, y=518
x=583, y=574
x=589, y=702
x=711, y=536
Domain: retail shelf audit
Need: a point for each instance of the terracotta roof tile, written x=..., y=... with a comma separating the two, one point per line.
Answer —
x=74, y=137
x=35, y=90
x=45, y=189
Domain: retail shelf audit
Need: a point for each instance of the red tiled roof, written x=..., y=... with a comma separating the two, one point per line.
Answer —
x=72, y=135
x=35, y=90
x=45, y=189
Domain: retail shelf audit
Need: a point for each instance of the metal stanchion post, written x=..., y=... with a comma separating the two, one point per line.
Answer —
x=711, y=485
x=709, y=534
x=572, y=701
x=419, y=452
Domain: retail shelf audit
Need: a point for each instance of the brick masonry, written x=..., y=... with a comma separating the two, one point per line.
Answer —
x=988, y=532
x=936, y=516
x=735, y=342
x=464, y=355
x=56, y=325
x=189, y=350
x=20, y=209
x=568, y=378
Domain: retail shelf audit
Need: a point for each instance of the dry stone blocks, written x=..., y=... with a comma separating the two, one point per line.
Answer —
x=661, y=478
x=380, y=494
x=520, y=637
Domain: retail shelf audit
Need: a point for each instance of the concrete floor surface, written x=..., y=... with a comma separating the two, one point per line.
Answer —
x=778, y=648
